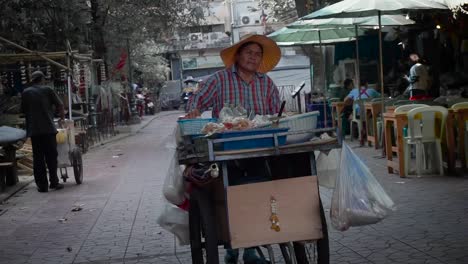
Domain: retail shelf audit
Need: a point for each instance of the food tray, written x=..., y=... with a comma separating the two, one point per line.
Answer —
x=251, y=143
x=301, y=122
x=190, y=127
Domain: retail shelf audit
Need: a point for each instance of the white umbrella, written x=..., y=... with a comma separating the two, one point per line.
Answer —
x=455, y=6
x=312, y=35
x=385, y=20
x=360, y=8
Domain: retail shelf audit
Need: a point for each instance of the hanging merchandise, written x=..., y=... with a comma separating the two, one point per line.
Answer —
x=63, y=75
x=358, y=198
x=23, y=73
x=48, y=71
x=103, y=72
x=82, y=83
x=12, y=80
x=29, y=72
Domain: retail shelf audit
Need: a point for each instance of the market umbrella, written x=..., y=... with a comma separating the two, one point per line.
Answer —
x=312, y=36
x=359, y=8
x=288, y=36
x=386, y=20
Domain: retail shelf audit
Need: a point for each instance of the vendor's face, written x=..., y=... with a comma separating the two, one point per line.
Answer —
x=414, y=58
x=250, y=57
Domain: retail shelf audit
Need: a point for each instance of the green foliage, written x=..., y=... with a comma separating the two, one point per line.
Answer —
x=103, y=25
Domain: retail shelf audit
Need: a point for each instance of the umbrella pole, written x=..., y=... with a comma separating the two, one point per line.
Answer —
x=325, y=83
x=381, y=82
x=358, y=77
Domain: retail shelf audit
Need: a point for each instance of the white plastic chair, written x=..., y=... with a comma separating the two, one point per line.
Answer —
x=358, y=118
x=406, y=108
x=422, y=129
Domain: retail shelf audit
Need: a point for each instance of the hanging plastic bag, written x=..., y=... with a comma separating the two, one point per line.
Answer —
x=174, y=185
x=327, y=167
x=176, y=221
x=358, y=198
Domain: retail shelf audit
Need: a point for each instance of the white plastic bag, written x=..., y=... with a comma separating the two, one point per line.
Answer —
x=358, y=198
x=176, y=221
x=174, y=188
x=327, y=167
x=174, y=184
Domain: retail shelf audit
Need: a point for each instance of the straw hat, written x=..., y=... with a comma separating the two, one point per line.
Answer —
x=271, y=52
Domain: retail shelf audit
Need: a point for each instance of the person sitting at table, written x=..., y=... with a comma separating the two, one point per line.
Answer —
x=364, y=92
x=348, y=85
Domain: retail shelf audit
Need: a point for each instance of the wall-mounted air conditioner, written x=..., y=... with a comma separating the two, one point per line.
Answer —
x=250, y=20
x=195, y=37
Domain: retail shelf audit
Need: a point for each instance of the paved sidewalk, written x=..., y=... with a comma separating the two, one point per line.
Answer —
x=121, y=199
x=123, y=132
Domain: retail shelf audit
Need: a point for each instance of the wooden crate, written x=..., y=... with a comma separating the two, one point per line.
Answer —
x=298, y=208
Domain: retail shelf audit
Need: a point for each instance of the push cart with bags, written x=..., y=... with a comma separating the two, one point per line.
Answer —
x=69, y=155
x=255, y=191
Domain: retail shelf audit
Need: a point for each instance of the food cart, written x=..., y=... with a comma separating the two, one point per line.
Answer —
x=282, y=206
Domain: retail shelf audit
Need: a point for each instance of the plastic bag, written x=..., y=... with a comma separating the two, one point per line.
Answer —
x=358, y=198
x=228, y=114
x=327, y=167
x=174, y=184
x=176, y=221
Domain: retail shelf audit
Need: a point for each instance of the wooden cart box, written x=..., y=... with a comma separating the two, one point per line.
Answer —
x=297, y=202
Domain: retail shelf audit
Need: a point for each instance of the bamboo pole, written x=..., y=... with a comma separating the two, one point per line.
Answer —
x=34, y=52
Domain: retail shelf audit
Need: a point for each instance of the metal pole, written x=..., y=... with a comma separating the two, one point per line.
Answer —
x=69, y=82
x=381, y=83
x=381, y=58
x=324, y=81
x=358, y=77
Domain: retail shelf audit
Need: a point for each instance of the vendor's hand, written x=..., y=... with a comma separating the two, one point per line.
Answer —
x=192, y=114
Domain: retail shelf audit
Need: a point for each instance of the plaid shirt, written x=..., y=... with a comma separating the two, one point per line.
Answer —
x=226, y=87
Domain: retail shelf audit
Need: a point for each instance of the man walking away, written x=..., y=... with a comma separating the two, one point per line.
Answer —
x=38, y=102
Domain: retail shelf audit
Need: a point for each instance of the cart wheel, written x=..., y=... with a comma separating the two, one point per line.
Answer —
x=317, y=252
x=203, y=237
x=77, y=163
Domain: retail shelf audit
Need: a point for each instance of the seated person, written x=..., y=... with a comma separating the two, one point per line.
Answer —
x=348, y=85
x=363, y=93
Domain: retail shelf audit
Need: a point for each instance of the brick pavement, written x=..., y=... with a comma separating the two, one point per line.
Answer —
x=121, y=200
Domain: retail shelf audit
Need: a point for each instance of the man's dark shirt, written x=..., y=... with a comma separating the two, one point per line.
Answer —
x=37, y=105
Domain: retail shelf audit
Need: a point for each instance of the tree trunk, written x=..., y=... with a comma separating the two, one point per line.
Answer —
x=98, y=16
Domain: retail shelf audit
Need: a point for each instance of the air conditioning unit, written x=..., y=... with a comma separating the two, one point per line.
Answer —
x=216, y=36
x=195, y=37
x=250, y=20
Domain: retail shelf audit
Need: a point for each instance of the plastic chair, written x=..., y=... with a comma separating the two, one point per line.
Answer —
x=406, y=108
x=458, y=101
x=422, y=129
x=357, y=118
x=463, y=105
x=402, y=102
